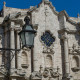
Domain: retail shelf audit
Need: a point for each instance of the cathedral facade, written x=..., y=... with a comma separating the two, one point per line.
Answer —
x=56, y=51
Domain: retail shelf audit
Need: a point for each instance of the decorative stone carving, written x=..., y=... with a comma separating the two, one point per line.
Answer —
x=41, y=69
x=49, y=72
x=36, y=75
x=46, y=73
x=54, y=74
x=48, y=50
x=75, y=50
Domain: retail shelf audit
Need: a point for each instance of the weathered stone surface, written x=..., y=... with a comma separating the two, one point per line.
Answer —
x=60, y=60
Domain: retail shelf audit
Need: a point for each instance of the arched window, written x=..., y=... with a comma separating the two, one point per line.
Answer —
x=49, y=62
x=75, y=61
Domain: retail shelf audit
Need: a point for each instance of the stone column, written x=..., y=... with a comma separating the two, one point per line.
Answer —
x=12, y=46
x=66, y=56
x=18, y=53
x=35, y=57
x=0, y=52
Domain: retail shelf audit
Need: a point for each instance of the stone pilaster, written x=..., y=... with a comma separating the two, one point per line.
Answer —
x=66, y=56
x=0, y=58
x=18, y=53
x=66, y=74
x=12, y=45
x=35, y=59
x=18, y=40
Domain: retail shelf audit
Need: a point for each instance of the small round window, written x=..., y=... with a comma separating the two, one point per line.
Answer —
x=47, y=38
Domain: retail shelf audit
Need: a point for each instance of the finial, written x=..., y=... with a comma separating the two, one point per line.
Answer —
x=78, y=15
x=4, y=3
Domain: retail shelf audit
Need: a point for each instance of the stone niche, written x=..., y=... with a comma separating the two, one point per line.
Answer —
x=24, y=60
x=74, y=54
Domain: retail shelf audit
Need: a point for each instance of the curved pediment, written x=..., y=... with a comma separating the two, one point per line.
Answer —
x=47, y=3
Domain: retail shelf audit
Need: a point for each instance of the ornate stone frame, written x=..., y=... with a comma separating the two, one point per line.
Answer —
x=43, y=42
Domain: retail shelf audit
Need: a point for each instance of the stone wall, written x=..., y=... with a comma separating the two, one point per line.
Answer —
x=60, y=59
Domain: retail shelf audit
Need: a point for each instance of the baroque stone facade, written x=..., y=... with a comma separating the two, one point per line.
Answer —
x=56, y=52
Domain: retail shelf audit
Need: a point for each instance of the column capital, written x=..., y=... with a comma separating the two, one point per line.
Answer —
x=12, y=26
x=11, y=29
x=18, y=29
x=63, y=36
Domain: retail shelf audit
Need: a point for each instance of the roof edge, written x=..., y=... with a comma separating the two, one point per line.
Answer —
x=67, y=17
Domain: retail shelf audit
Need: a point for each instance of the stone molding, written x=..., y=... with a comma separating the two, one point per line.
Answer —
x=17, y=29
x=17, y=73
x=64, y=13
x=48, y=50
x=62, y=36
x=68, y=31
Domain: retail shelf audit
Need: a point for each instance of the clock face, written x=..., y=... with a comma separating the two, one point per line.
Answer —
x=48, y=39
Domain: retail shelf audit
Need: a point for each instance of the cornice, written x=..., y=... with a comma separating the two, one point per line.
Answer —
x=32, y=9
x=68, y=31
x=64, y=13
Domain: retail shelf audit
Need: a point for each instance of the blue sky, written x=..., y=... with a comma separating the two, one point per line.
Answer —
x=71, y=6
